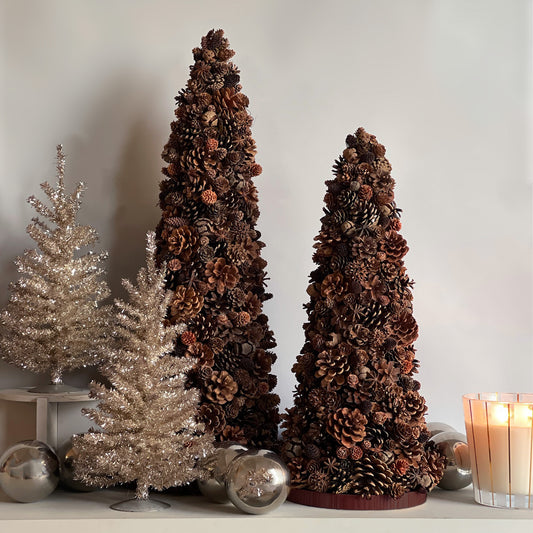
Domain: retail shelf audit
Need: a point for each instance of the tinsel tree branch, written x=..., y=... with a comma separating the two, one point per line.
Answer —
x=148, y=432
x=54, y=320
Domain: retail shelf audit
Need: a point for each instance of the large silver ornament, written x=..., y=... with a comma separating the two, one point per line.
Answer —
x=438, y=427
x=217, y=464
x=29, y=471
x=458, y=471
x=257, y=481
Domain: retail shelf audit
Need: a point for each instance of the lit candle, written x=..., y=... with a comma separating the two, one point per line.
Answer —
x=499, y=429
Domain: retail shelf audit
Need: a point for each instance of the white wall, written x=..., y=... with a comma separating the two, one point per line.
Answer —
x=445, y=85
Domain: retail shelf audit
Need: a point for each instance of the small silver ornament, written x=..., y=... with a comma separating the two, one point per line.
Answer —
x=29, y=471
x=438, y=427
x=67, y=459
x=257, y=481
x=458, y=471
x=217, y=464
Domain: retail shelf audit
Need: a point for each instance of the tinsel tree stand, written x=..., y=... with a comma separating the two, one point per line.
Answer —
x=356, y=437
x=148, y=417
x=208, y=238
x=54, y=321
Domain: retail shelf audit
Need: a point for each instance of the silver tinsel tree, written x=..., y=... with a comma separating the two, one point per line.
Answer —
x=53, y=321
x=149, y=431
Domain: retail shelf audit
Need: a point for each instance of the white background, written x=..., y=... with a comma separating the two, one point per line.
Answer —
x=445, y=85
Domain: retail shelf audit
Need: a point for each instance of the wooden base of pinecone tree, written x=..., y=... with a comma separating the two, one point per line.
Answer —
x=355, y=502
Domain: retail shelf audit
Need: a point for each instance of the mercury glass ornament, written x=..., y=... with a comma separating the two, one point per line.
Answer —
x=458, y=472
x=29, y=471
x=67, y=458
x=257, y=481
x=435, y=428
x=217, y=464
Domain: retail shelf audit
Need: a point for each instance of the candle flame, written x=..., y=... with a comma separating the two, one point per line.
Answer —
x=521, y=415
x=501, y=413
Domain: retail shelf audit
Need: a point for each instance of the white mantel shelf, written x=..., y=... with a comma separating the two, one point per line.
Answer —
x=446, y=512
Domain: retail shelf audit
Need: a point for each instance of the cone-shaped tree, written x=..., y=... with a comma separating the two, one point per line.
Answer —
x=54, y=320
x=357, y=426
x=150, y=433
x=208, y=238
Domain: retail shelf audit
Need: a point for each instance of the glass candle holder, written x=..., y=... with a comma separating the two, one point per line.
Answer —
x=499, y=431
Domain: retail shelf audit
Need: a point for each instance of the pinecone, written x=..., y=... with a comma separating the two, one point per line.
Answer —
x=374, y=315
x=221, y=276
x=332, y=368
x=205, y=227
x=339, y=216
x=185, y=304
x=377, y=436
x=347, y=198
x=318, y=481
x=208, y=197
x=367, y=214
x=182, y=241
x=212, y=416
x=333, y=287
x=415, y=405
x=338, y=262
x=342, y=476
x=201, y=352
x=221, y=387
x=371, y=477
x=228, y=360
x=395, y=246
x=172, y=279
x=312, y=451
x=296, y=468
x=206, y=254
x=193, y=211
x=347, y=426
x=404, y=327
x=236, y=298
x=204, y=326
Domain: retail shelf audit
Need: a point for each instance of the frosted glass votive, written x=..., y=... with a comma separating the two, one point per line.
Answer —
x=499, y=431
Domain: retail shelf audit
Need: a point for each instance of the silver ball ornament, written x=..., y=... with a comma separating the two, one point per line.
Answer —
x=257, y=481
x=68, y=457
x=217, y=464
x=29, y=471
x=435, y=428
x=458, y=471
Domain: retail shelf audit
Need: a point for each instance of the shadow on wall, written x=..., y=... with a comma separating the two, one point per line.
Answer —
x=136, y=210
x=119, y=155
x=115, y=149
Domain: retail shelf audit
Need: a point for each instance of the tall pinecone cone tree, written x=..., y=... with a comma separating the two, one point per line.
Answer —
x=357, y=425
x=208, y=238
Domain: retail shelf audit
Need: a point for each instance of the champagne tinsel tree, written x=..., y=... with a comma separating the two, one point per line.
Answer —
x=208, y=238
x=357, y=426
x=150, y=433
x=53, y=321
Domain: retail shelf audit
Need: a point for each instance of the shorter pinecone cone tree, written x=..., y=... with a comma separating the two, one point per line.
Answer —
x=357, y=426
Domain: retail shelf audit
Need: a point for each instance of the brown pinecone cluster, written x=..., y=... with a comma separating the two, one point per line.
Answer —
x=357, y=425
x=208, y=239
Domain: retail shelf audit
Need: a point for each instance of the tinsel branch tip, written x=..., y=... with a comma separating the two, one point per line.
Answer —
x=60, y=162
